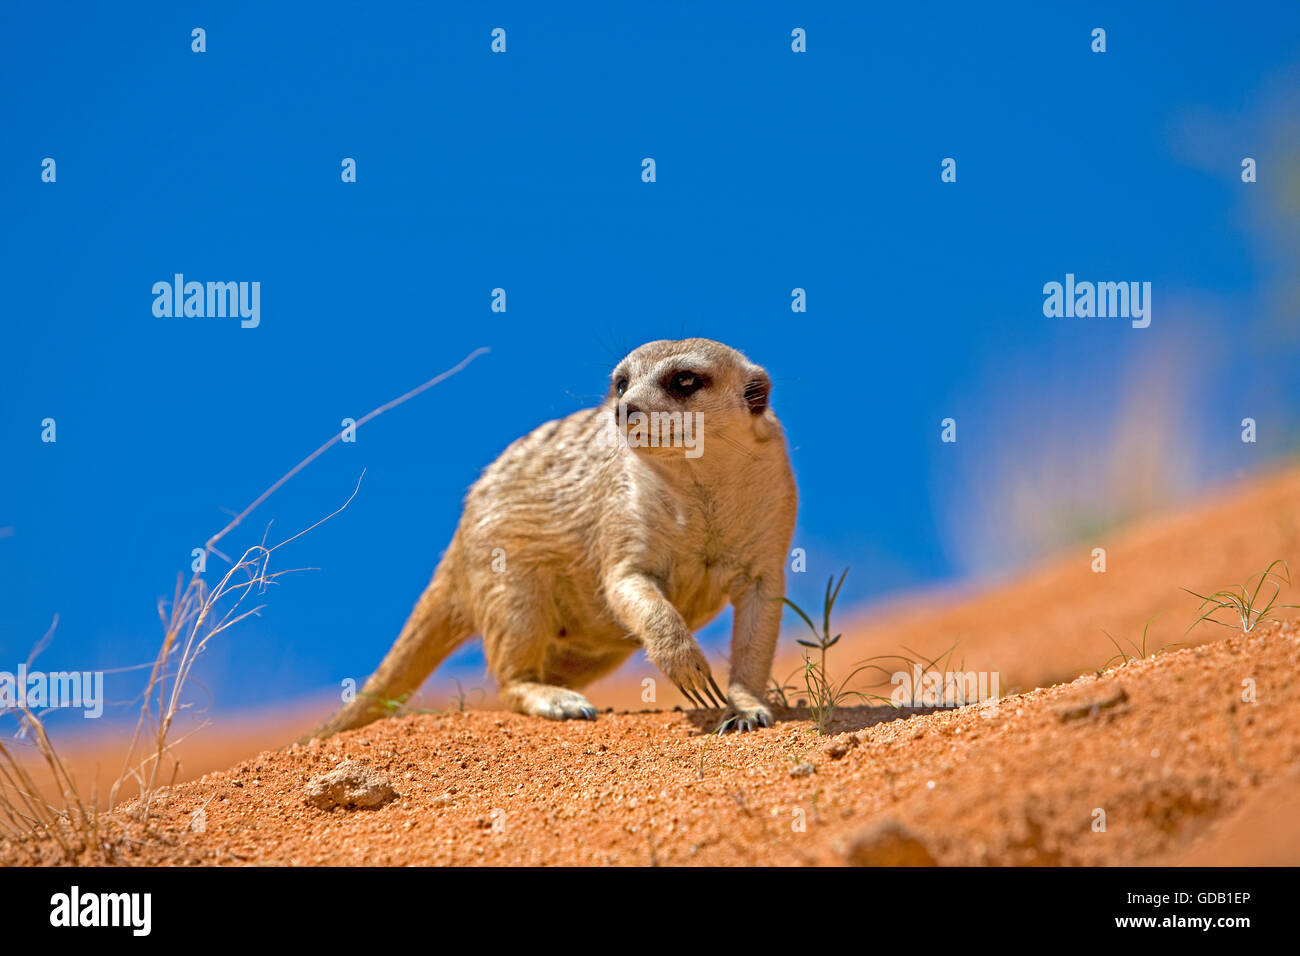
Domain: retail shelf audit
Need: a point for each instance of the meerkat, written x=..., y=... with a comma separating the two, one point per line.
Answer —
x=596, y=534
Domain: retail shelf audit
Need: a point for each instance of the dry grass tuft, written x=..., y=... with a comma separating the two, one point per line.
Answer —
x=197, y=613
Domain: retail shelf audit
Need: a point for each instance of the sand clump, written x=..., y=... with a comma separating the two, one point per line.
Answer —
x=351, y=786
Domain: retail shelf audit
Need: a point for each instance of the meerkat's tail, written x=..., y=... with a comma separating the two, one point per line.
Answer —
x=435, y=628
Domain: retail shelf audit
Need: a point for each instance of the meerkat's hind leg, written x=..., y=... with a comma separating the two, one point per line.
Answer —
x=547, y=700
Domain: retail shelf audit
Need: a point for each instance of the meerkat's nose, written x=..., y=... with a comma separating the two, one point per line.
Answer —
x=624, y=411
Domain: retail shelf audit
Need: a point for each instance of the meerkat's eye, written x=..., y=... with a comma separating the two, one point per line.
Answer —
x=682, y=384
x=620, y=387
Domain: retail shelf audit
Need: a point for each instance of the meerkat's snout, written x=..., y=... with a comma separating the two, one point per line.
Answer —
x=655, y=404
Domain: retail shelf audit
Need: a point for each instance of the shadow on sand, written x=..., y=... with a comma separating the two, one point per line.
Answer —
x=846, y=720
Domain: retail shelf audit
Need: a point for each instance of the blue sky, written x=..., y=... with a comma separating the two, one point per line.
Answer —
x=522, y=170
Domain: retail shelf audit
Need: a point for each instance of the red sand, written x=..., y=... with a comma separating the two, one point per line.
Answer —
x=1184, y=770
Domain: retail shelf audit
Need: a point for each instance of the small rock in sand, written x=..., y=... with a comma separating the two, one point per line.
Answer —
x=349, y=785
x=837, y=747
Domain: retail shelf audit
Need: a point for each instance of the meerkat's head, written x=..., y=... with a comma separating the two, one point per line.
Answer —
x=689, y=389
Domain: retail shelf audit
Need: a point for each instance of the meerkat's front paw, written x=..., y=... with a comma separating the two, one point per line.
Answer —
x=685, y=665
x=742, y=719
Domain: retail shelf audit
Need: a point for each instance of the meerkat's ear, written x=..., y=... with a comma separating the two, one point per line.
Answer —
x=757, y=391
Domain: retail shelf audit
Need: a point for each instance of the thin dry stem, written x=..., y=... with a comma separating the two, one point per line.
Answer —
x=189, y=625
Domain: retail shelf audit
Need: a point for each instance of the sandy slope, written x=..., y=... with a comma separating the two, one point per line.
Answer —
x=1183, y=768
x=1046, y=625
x=1166, y=748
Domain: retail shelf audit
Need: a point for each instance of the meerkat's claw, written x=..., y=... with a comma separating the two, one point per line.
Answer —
x=745, y=721
x=701, y=696
x=695, y=698
x=722, y=698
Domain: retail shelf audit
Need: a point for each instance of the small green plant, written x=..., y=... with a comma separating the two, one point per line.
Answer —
x=461, y=696
x=704, y=752
x=1139, y=651
x=778, y=692
x=396, y=706
x=1241, y=603
x=391, y=705
x=705, y=744
x=824, y=694
x=951, y=687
